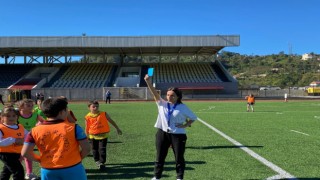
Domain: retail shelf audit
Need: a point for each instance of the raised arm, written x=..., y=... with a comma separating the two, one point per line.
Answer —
x=156, y=96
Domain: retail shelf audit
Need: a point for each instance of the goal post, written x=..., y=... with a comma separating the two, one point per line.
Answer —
x=128, y=93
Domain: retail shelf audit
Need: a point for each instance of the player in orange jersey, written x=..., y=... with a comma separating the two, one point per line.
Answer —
x=11, y=141
x=62, y=145
x=97, y=129
x=250, y=102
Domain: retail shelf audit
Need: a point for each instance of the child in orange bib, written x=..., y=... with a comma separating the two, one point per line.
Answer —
x=97, y=130
x=11, y=141
x=250, y=102
x=62, y=145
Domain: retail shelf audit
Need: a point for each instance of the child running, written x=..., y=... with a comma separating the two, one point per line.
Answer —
x=97, y=129
x=28, y=119
x=62, y=145
x=11, y=141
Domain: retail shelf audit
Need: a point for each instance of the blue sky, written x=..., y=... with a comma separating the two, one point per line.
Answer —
x=265, y=26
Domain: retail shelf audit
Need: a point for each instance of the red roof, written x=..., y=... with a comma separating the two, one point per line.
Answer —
x=201, y=88
x=22, y=87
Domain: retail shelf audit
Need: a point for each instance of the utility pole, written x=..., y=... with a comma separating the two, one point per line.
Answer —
x=289, y=49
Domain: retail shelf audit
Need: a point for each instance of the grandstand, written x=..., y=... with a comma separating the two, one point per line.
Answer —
x=10, y=74
x=82, y=76
x=182, y=61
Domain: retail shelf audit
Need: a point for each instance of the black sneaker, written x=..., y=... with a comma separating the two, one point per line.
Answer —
x=102, y=167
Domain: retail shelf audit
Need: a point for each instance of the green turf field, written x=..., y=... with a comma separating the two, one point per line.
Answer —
x=284, y=139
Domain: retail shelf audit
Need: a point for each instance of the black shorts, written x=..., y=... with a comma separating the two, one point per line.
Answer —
x=250, y=103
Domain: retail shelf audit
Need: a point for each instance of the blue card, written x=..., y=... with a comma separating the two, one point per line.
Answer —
x=150, y=72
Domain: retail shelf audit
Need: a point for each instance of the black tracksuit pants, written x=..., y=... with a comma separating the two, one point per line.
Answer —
x=11, y=166
x=163, y=142
x=99, y=150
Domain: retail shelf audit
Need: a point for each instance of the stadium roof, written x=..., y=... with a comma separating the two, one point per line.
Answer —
x=123, y=45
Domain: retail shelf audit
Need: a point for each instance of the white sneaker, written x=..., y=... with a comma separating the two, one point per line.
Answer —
x=31, y=176
x=179, y=179
x=154, y=178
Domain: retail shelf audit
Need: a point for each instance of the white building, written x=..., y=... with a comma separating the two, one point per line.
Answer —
x=306, y=56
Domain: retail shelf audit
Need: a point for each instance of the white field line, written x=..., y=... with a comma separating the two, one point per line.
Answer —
x=245, y=112
x=260, y=112
x=282, y=174
x=300, y=132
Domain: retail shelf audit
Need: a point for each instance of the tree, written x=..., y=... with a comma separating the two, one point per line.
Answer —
x=291, y=70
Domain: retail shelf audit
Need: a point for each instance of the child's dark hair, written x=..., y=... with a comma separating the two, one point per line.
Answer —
x=95, y=102
x=64, y=98
x=52, y=106
x=178, y=92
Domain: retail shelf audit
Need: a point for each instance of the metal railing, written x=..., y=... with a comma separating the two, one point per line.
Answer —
x=136, y=93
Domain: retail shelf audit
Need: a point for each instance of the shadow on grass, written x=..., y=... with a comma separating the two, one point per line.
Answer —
x=114, y=142
x=221, y=147
x=134, y=170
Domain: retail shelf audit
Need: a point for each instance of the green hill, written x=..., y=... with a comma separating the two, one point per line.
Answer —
x=271, y=70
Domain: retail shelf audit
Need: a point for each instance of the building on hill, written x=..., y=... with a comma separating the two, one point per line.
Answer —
x=306, y=56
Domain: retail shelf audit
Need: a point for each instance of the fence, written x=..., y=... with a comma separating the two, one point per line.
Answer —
x=274, y=93
x=80, y=94
x=137, y=93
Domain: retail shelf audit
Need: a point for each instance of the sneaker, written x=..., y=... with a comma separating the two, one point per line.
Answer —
x=102, y=167
x=31, y=176
x=154, y=178
x=179, y=179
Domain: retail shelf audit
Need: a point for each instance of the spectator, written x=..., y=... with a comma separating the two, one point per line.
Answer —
x=108, y=96
x=285, y=97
